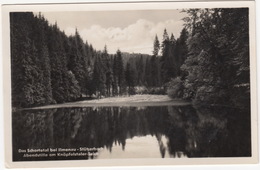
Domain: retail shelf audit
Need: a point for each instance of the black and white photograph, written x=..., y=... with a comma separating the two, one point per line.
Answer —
x=169, y=84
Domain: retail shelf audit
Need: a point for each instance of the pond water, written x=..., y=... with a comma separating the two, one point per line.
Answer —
x=130, y=132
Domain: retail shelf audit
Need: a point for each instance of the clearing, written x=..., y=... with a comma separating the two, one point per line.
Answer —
x=134, y=100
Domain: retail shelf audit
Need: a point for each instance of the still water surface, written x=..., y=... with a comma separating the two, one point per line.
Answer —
x=131, y=132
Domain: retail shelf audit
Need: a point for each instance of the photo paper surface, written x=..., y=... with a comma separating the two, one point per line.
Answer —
x=106, y=84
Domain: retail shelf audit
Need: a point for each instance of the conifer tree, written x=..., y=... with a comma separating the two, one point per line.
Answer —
x=120, y=71
x=156, y=46
x=167, y=59
x=130, y=79
x=115, y=76
x=148, y=76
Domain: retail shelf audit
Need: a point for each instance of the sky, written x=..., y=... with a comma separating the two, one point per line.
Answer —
x=130, y=31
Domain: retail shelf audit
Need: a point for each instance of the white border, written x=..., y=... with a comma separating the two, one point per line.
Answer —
x=130, y=6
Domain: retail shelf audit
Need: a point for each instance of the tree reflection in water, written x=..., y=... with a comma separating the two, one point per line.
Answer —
x=189, y=131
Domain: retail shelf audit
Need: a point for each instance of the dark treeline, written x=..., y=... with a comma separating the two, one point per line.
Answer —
x=51, y=67
x=47, y=66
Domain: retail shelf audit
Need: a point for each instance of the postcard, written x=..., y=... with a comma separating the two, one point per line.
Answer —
x=130, y=84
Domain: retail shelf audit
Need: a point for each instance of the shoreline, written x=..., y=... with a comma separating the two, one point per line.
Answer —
x=130, y=101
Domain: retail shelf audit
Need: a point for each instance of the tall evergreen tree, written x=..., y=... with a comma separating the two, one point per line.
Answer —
x=39, y=37
x=120, y=71
x=156, y=46
x=140, y=70
x=168, y=67
x=108, y=70
x=77, y=62
x=99, y=77
x=58, y=65
x=130, y=78
x=148, y=76
x=153, y=72
x=115, y=76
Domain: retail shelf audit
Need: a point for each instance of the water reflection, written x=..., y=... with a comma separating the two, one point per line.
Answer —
x=134, y=132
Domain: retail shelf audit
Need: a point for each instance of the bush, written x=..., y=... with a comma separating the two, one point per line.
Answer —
x=150, y=90
x=175, y=88
x=210, y=95
x=131, y=91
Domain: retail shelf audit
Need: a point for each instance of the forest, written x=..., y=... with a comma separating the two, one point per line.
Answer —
x=207, y=64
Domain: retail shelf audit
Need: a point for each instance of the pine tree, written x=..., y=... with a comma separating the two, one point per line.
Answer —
x=98, y=77
x=148, y=76
x=120, y=72
x=130, y=79
x=140, y=70
x=77, y=60
x=168, y=67
x=115, y=76
x=182, y=46
x=108, y=71
x=56, y=66
x=153, y=71
x=156, y=46
x=39, y=37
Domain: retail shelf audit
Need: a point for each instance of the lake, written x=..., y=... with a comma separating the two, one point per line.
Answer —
x=130, y=132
